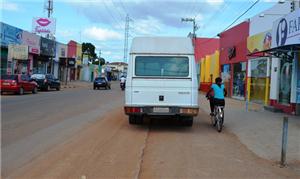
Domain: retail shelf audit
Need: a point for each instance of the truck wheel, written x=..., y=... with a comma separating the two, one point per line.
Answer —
x=34, y=91
x=132, y=119
x=139, y=120
x=187, y=121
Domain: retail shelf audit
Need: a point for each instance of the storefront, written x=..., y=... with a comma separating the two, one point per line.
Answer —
x=33, y=42
x=285, y=87
x=72, y=49
x=60, y=61
x=233, y=59
x=44, y=63
x=9, y=35
x=18, y=57
x=78, y=65
x=259, y=65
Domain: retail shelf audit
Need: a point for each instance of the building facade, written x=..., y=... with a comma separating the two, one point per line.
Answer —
x=233, y=59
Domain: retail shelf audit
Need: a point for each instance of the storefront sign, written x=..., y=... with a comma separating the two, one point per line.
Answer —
x=48, y=47
x=32, y=40
x=9, y=35
x=43, y=26
x=18, y=52
x=231, y=52
x=259, y=42
x=286, y=30
x=71, y=62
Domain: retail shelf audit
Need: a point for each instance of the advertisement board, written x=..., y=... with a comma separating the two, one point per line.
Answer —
x=18, y=52
x=9, y=35
x=259, y=42
x=33, y=42
x=286, y=30
x=43, y=26
x=47, y=47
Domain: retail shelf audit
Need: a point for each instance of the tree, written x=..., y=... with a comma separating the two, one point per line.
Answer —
x=101, y=60
x=89, y=48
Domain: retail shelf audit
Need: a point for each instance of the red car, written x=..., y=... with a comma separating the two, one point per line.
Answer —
x=18, y=84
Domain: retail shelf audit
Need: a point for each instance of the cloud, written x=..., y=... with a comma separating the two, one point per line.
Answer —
x=96, y=33
x=168, y=13
x=9, y=6
x=65, y=33
x=215, y=2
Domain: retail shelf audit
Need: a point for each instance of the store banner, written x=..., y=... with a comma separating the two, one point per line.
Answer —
x=18, y=52
x=9, y=35
x=259, y=42
x=43, y=26
x=32, y=40
x=47, y=47
x=286, y=30
x=78, y=51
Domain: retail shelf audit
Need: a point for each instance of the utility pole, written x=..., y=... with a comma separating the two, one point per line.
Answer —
x=127, y=20
x=99, y=65
x=49, y=7
x=195, y=27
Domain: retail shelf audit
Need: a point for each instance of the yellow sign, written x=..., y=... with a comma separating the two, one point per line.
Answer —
x=259, y=42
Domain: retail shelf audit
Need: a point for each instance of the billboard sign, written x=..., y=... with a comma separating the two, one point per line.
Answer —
x=286, y=30
x=43, y=26
x=48, y=47
x=18, y=52
x=9, y=35
x=32, y=40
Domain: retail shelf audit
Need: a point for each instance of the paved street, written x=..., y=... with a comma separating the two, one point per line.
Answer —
x=82, y=133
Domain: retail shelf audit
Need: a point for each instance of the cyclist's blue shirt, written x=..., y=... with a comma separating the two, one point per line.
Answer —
x=218, y=91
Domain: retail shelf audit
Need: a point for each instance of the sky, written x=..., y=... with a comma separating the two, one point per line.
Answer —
x=102, y=22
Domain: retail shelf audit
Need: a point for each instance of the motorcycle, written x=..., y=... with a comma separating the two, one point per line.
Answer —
x=122, y=86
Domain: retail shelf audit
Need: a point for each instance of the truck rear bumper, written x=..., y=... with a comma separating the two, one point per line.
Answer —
x=161, y=110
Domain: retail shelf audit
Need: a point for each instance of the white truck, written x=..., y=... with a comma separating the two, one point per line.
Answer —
x=161, y=79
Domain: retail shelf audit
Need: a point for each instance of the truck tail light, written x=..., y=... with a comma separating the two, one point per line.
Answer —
x=190, y=111
x=132, y=110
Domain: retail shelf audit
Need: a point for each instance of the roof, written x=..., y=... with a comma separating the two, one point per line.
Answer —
x=162, y=45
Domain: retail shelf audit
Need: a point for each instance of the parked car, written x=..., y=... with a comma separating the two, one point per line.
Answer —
x=46, y=81
x=101, y=82
x=18, y=84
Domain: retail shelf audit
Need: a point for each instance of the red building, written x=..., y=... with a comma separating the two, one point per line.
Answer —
x=205, y=46
x=72, y=47
x=204, y=49
x=233, y=59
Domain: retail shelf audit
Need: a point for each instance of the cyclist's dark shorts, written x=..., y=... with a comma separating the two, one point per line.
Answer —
x=219, y=102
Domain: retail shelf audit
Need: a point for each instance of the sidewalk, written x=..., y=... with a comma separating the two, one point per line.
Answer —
x=260, y=130
x=76, y=84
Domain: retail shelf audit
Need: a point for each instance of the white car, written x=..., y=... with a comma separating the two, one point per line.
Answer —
x=161, y=79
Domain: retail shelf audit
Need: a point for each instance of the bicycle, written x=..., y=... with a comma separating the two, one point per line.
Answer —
x=217, y=119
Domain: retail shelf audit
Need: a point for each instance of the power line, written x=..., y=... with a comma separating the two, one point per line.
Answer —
x=107, y=9
x=242, y=14
x=232, y=22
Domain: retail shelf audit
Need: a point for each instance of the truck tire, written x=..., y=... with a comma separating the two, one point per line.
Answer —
x=187, y=121
x=132, y=119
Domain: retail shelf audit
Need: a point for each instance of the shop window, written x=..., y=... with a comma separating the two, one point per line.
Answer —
x=285, y=79
x=239, y=79
x=258, y=79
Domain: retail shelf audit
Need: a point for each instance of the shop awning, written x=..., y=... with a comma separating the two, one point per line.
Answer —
x=278, y=52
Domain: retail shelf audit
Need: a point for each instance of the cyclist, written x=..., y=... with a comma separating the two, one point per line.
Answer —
x=217, y=97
